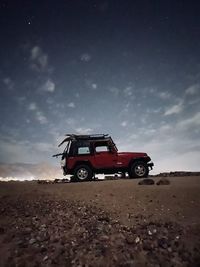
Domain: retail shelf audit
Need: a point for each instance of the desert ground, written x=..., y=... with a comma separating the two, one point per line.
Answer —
x=100, y=223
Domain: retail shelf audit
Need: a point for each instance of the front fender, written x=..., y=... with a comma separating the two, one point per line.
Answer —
x=144, y=159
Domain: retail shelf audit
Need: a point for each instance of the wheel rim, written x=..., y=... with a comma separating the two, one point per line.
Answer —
x=140, y=170
x=82, y=174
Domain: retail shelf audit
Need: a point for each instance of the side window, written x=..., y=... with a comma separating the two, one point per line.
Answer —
x=102, y=149
x=83, y=150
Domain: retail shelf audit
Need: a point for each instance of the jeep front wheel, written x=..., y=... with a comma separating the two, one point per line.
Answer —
x=139, y=169
x=83, y=173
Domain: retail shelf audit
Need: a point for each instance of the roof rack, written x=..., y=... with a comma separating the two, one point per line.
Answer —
x=71, y=137
x=85, y=136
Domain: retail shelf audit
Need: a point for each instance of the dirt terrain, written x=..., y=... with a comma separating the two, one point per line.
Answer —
x=105, y=223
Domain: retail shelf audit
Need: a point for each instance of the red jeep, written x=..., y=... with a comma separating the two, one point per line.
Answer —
x=87, y=155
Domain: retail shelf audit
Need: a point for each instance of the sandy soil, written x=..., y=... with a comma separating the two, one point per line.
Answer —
x=106, y=223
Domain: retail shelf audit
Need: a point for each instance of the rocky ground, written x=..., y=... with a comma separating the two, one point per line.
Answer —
x=111, y=223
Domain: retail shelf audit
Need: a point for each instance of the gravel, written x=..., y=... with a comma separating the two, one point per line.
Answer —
x=46, y=232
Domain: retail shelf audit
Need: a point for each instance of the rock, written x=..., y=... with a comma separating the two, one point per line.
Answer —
x=2, y=230
x=137, y=240
x=147, y=245
x=162, y=242
x=20, y=262
x=149, y=232
x=104, y=238
x=163, y=181
x=130, y=239
x=27, y=231
x=20, y=243
x=43, y=249
x=60, y=250
x=104, y=218
x=45, y=258
x=32, y=241
x=55, y=239
x=146, y=181
x=170, y=249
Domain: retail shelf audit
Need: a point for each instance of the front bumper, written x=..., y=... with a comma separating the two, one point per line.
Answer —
x=150, y=165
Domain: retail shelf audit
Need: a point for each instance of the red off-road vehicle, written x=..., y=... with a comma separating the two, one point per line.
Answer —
x=87, y=155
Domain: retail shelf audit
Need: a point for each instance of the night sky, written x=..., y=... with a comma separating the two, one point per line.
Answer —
x=127, y=68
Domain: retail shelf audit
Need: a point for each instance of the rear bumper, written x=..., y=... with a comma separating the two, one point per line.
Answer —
x=65, y=171
x=150, y=165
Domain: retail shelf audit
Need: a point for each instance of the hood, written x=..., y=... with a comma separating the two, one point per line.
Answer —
x=132, y=154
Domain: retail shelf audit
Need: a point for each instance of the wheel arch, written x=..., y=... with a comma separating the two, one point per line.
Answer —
x=132, y=161
x=83, y=162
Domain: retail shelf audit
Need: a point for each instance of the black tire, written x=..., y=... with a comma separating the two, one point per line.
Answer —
x=139, y=169
x=83, y=173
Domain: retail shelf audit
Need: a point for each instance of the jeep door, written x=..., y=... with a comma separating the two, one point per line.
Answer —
x=104, y=158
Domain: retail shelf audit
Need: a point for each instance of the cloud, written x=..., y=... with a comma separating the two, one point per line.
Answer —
x=14, y=149
x=44, y=147
x=71, y=105
x=124, y=124
x=164, y=95
x=166, y=149
x=39, y=115
x=192, y=90
x=124, y=111
x=49, y=86
x=128, y=91
x=182, y=162
x=20, y=99
x=82, y=130
x=70, y=121
x=190, y=122
x=91, y=84
x=175, y=109
x=24, y=171
x=115, y=91
x=35, y=52
x=9, y=83
x=94, y=86
x=85, y=57
x=32, y=106
x=39, y=60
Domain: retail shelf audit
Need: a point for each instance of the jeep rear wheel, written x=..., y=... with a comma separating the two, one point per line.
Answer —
x=139, y=169
x=83, y=173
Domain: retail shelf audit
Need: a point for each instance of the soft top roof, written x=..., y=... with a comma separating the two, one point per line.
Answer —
x=73, y=137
